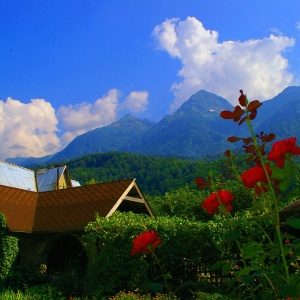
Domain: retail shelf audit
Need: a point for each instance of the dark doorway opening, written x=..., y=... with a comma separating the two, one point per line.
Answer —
x=67, y=255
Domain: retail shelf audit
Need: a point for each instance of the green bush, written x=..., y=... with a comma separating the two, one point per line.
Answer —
x=183, y=202
x=24, y=276
x=8, y=250
x=187, y=247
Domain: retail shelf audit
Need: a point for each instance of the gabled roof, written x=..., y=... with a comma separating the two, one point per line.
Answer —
x=68, y=209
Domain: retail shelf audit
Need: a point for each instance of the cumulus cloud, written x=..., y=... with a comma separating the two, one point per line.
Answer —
x=80, y=118
x=257, y=66
x=297, y=25
x=27, y=129
x=136, y=102
x=32, y=129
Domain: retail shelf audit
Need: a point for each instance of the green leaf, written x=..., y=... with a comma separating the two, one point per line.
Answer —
x=244, y=271
x=233, y=235
x=287, y=249
x=226, y=268
x=252, y=249
x=296, y=244
x=289, y=170
x=284, y=185
x=277, y=173
x=218, y=264
x=295, y=223
x=289, y=291
x=210, y=173
x=252, y=254
x=272, y=257
x=261, y=258
x=167, y=276
x=275, y=249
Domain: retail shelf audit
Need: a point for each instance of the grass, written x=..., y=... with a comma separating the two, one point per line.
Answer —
x=11, y=295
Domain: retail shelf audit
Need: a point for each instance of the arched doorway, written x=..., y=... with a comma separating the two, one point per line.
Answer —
x=66, y=255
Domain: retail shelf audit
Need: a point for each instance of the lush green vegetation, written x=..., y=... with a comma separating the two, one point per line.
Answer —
x=192, y=239
x=187, y=248
x=8, y=250
x=155, y=175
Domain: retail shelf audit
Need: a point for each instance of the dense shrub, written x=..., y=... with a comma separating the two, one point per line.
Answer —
x=187, y=248
x=8, y=250
x=183, y=202
x=24, y=276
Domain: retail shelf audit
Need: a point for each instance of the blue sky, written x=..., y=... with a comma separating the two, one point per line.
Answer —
x=67, y=67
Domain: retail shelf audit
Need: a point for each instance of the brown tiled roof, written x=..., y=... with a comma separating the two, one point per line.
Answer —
x=60, y=210
x=18, y=206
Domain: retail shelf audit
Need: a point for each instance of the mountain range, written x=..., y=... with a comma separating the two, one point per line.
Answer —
x=195, y=130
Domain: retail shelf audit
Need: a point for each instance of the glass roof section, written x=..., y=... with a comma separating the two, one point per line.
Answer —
x=38, y=181
x=18, y=177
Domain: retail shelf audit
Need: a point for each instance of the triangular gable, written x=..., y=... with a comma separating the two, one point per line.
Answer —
x=131, y=199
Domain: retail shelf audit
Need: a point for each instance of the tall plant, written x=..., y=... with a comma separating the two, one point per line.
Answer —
x=267, y=266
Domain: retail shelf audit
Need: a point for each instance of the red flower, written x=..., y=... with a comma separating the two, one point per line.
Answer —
x=281, y=148
x=146, y=242
x=254, y=175
x=211, y=204
x=200, y=182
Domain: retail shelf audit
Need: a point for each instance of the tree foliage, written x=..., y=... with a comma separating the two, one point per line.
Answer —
x=155, y=175
x=8, y=250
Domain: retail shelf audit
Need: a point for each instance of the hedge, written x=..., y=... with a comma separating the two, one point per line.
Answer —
x=187, y=248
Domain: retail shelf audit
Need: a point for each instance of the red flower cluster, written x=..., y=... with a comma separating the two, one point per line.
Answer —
x=281, y=148
x=254, y=175
x=146, y=242
x=212, y=203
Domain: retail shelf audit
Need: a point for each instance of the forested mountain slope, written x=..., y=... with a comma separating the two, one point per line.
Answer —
x=155, y=175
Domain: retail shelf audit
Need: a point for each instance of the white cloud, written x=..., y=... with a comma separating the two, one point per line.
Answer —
x=31, y=129
x=276, y=31
x=80, y=118
x=136, y=101
x=27, y=129
x=297, y=25
x=256, y=66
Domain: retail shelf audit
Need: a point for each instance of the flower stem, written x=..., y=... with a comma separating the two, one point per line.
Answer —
x=275, y=210
x=163, y=274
